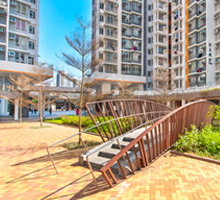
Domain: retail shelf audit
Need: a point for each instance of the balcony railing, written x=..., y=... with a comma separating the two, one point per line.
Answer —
x=114, y=22
x=191, y=1
x=217, y=52
x=192, y=41
x=217, y=67
x=217, y=37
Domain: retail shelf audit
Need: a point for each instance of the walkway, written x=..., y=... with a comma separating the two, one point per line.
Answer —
x=26, y=172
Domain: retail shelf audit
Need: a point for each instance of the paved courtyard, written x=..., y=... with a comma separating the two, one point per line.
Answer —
x=27, y=173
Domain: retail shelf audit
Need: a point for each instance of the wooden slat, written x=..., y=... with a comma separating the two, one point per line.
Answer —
x=118, y=116
x=100, y=121
x=160, y=141
x=129, y=161
x=122, y=171
x=124, y=118
x=142, y=153
x=148, y=147
x=107, y=179
x=157, y=145
x=163, y=132
x=126, y=112
x=167, y=134
x=138, y=160
x=111, y=124
x=130, y=113
x=152, y=141
x=112, y=175
x=115, y=116
x=100, y=110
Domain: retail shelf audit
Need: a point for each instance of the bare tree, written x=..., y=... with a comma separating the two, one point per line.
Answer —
x=163, y=85
x=123, y=90
x=84, y=61
x=40, y=89
x=19, y=88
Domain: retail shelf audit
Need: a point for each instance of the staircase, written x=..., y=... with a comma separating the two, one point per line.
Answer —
x=113, y=147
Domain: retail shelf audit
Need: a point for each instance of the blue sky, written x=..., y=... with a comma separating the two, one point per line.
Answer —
x=57, y=20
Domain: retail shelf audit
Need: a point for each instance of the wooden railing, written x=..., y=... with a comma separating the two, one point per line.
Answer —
x=157, y=139
x=123, y=108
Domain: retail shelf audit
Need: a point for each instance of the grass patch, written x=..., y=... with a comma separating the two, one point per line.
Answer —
x=39, y=127
x=75, y=145
x=204, y=142
x=88, y=123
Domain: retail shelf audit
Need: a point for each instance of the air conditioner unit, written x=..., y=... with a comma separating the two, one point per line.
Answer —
x=11, y=53
x=2, y=29
x=12, y=19
x=13, y=2
x=115, y=55
x=216, y=60
x=11, y=36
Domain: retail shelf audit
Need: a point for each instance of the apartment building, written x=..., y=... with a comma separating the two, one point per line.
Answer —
x=156, y=38
x=19, y=31
x=62, y=81
x=19, y=24
x=118, y=24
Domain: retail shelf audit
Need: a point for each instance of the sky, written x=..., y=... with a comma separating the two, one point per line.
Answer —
x=57, y=20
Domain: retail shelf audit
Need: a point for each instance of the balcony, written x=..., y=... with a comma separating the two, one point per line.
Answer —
x=111, y=9
x=217, y=37
x=192, y=12
x=137, y=7
x=217, y=20
x=162, y=7
x=112, y=21
x=3, y=3
x=192, y=39
x=111, y=34
x=111, y=60
x=192, y=1
x=217, y=52
x=217, y=7
x=111, y=46
x=217, y=67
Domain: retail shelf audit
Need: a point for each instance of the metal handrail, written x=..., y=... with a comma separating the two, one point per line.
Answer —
x=88, y=153
x=150, y=129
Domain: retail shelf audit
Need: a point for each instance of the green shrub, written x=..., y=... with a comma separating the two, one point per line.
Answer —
x=76, y=145
x=204, y=143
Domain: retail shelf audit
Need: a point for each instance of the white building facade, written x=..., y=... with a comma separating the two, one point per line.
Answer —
x=19, y=32
x=119, y=26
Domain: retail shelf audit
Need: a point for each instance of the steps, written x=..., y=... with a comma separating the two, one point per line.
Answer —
x=110, y=149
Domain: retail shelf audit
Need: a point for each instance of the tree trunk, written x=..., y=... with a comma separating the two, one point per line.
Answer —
x=40, y=109
x=21, y=99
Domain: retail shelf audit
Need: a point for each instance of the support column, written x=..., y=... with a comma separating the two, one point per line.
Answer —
x=16, y=109
x=183, y=102
x=168, y=103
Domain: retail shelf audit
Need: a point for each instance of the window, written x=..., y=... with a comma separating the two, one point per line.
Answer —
x=149, y=18
x=109, y=6
x=93, y=13
x=109, y=31
x=21, y=8
x=20, y=41
x=136, y=70
x=128, y=44
x=101, y=31
x=101, y=18
x=100, y=55
x=128, y=31
x=101, y=5
x=30, y=60
x=32, y=14
x=20, y=25
x=149, y=62
x=19, y=57
x=135, y=57
x=149, y=7
x=149, y=73
x=135, y=19
x=109, y=56
x=149, y=40
x=100, y=43
x=93, y=2
x=149, y=29
x=31, y=29
x=110, y=69
x=136, y=31
x=149, y=51
x=126, y=69
x=31, y=45
x=110, y=18
x=32, y=1
x=100, y=68
x=17, y=42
